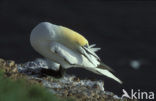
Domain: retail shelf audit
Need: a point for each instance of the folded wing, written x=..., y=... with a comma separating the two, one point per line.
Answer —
x=68, y=55
x=101, y=68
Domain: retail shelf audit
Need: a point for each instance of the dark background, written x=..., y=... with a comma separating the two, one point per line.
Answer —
x=125, y=31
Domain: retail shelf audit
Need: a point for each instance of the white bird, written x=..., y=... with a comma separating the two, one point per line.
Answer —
x=65, y=48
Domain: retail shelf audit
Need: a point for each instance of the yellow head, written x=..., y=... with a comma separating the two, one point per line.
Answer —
x=73, y=36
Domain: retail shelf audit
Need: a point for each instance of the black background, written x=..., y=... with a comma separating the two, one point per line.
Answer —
x=125, y=31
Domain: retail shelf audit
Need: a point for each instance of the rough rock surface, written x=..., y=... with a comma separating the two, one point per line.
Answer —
x=67, y=86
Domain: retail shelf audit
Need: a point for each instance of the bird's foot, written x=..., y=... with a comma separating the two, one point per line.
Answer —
x=57, y=74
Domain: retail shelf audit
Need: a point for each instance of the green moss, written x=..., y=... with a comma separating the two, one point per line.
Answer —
x=1, y=72
x=19, y=90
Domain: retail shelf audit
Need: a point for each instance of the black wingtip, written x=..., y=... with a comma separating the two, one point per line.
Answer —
x=104, y=66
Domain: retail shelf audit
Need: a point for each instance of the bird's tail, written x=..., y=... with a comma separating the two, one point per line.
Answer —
x=106, y=73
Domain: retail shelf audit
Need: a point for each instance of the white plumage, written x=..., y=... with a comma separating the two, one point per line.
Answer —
x=66, y=48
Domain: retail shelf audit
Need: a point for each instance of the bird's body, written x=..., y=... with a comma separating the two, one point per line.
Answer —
x=67, y=48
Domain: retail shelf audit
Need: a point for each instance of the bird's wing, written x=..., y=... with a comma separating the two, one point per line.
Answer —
x=104, y=66
x=106, y=73
x=89, y=53
x=67, y=54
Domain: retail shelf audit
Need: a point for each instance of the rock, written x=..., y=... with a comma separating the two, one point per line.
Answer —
x=2, y=61
x=15, y=69
x=68, y=86
x=76, y=79
x=10, y=63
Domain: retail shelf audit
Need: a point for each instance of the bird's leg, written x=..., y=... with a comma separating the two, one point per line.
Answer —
x=58, y=74
x=61, y=71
